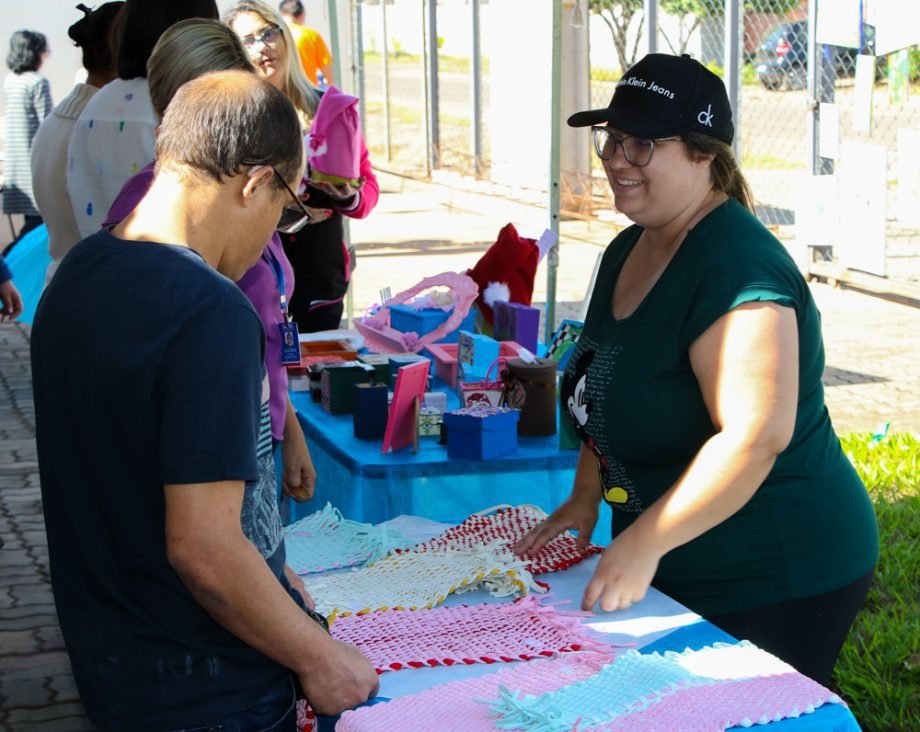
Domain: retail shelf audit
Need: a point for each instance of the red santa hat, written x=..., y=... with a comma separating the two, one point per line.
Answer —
x=507, y=270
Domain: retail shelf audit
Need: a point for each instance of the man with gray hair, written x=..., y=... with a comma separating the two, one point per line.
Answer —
x=151, y=419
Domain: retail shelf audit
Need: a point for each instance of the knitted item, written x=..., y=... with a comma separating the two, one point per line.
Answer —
x=421, y=579
x=485, y=633
x=634, y=684
x=508, y=524
x=452, y=706
x=306, y=717
x=733, y=704
x=326, y=540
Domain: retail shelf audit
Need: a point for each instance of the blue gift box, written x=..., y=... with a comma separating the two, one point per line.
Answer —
x=481, y=433
x=424, y=320
x=516, y=322
x=475, y=354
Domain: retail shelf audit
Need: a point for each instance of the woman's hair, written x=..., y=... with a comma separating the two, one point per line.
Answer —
x=93, y=33
x=141, y=24
x=26, y=49
x=297, y=87
x=725, y=172
x=187, y=50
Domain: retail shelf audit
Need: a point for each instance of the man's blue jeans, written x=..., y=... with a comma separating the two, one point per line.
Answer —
x=275, y=711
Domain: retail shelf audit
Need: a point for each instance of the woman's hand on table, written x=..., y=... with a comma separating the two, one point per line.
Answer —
x=340, y=678
x=297, y=583
x=623, y=574
x=573, y=515
x=298, y=478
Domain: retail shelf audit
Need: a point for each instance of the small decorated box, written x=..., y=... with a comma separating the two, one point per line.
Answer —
x=403, y=359
x=406, y=318
x=381, y=364
x=371, y=411
x=475, y=353
x=337, y=381
x=341, y=349
x=516, y=322
x=481, y=433
x=444, y=356
x=429, y=422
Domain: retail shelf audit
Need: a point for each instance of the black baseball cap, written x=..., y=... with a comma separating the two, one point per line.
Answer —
x=664, y=95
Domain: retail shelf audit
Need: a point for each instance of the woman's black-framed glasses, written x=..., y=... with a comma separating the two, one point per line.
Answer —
x=267, y=37
x=638, y=150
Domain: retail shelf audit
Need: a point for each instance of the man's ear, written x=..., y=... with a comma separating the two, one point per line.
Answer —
x=258, y=177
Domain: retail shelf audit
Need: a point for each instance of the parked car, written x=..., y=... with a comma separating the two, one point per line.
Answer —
x=782, y=58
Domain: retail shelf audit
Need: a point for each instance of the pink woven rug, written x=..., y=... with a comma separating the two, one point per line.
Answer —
x=508, y=525
x=485, y=633
x=455, y=706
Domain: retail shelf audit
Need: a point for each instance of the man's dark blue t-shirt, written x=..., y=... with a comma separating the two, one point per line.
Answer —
x=147, y=370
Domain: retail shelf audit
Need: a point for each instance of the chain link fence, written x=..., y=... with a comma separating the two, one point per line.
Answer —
x=803, y=134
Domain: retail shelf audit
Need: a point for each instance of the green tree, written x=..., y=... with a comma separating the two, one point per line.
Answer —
x=619, y=14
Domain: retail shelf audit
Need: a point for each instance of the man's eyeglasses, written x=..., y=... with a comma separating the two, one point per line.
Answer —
x=267, y=37
x=293, y=218
x=638, y=150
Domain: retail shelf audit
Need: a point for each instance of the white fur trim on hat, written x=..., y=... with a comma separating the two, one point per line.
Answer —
x=496, y=291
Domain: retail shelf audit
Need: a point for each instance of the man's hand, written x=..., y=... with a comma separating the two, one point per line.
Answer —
x=342, y=679
x=298, y=480
x=11, y=300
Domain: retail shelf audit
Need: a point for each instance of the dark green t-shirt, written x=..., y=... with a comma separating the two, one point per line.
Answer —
x=632, y=396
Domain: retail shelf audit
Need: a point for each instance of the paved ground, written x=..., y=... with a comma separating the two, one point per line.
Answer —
x=873, y=377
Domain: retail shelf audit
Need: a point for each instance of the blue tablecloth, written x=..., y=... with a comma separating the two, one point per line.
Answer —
x=367, y=485
x=656, y=624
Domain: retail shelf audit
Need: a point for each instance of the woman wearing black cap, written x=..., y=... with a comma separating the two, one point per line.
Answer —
x=696, y=390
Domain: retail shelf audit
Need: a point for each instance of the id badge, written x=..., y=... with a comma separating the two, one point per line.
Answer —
x=290, y=344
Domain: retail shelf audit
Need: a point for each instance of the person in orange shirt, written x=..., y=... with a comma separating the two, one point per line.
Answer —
x=314, y=55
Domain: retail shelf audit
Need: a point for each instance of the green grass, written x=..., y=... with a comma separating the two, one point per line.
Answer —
x=878, y=672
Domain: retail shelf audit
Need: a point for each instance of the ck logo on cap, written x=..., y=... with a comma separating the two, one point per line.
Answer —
x=705, y=117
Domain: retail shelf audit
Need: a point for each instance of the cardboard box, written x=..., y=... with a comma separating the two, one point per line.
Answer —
x=381, y=364
x=429, y=422
x=424, y=320
x=312, y=349
x=444, y=356
x=402, y=359
x=475, y=354
x=371, y=410
x=481, y=433
x=516, y=322
x=337, y=382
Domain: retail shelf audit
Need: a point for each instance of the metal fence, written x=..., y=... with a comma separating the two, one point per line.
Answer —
x=427, y=69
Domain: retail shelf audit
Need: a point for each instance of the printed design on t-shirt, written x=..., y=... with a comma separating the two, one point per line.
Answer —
x=585, y=390
x=259, y=518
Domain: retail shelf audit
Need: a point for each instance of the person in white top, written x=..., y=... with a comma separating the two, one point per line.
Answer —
x=92, y=34
x=114, y=135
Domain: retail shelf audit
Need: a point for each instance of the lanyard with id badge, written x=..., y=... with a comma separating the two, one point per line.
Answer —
x=290, y=338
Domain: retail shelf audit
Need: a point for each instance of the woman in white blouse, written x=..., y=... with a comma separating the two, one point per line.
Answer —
x=114, y=136
x=92, y=34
